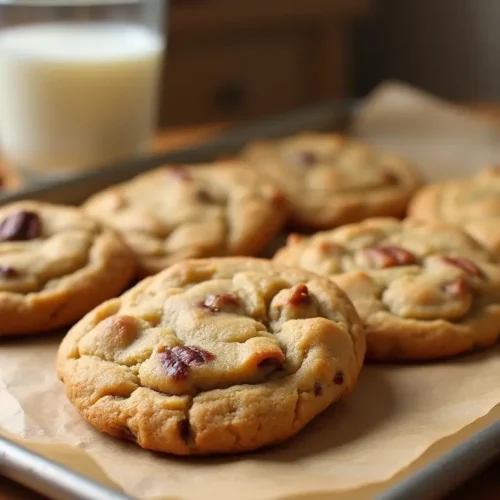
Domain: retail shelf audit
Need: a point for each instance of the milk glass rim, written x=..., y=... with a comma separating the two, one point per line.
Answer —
x=70, y=3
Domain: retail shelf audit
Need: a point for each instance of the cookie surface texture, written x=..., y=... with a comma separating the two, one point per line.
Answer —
x=423, y=290
x=56, y=264
x=471, y=203
x=214, y=356
x=176, y=213
x=330, y=180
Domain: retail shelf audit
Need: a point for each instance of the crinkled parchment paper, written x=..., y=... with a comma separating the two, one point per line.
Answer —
x=398, y=418
x=443, y=139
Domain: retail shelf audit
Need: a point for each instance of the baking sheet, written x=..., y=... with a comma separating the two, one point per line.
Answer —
x=49, y=478
x=327, y=116
x=354, y=450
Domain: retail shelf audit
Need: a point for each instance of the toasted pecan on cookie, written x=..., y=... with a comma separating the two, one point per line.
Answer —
x=424, y=290
x=218, y=355
x=174, y=213
x=330, y=180
x=56, y=264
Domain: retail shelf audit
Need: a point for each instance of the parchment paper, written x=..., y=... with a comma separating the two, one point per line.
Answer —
x=443, y=139
x=398, y=417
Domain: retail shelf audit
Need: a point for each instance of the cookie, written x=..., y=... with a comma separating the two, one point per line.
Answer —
x=219, y=355
x=472, y=203
x=330, y=180
x=175, y=213
x=424, y=290
x=56, y=264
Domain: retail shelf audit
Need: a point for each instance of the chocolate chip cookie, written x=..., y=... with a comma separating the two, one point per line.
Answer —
x=330, y=180
x=472, y=203
x=56, y=264
x=218, y=355
x=175, y=213
x=424, y=290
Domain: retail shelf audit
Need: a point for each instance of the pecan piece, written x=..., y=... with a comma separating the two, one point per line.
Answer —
x=203, y=196
x=338, y=378
x=390, y=178
x=303, y=158
x=177, y=360
x=180, y=174
x=300, y=295
x=329, y=247
x=193, y=356
x=8, y=272
x=464, y=264
x=221, y=303
x=272, y=362
x=384, y=256
x=456, y=288
x=278, y=197
x=20, y=226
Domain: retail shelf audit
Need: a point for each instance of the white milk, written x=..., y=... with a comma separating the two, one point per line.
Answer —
x=77, y=95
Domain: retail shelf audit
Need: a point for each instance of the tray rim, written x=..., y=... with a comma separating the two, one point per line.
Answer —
x=442, y=475
x=208, y=148
x=435, y=479
x=48, y=477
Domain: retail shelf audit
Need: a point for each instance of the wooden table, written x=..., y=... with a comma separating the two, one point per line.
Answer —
x=485, y=486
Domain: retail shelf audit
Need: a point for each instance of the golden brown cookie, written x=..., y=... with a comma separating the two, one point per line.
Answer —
x=175, y=213
x=330, y=180
x=214, y=356
x=56, y=264
x=423, y=290
x=471, y=203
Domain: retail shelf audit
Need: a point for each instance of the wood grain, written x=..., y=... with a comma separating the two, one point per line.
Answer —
x=237, y=60
x=199, y=18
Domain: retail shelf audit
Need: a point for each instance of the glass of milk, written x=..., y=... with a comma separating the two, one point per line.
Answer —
x=79, y=82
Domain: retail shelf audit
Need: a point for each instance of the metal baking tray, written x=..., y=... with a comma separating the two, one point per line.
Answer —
x=433, y=481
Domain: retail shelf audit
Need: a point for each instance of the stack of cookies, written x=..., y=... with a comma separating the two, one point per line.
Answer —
x=219, y=351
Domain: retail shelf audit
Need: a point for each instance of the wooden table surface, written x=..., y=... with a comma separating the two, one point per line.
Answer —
x=485, y=486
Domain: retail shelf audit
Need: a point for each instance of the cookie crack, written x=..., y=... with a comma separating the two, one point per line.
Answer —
x=47, y=284
x=186, y=430
x=234, y=433
x=296, y=408
x=273, y=371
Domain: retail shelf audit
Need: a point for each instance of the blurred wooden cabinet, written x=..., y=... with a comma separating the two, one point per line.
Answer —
x=240, y=59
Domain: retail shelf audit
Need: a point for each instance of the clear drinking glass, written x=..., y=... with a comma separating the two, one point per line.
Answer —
x=79, y=82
